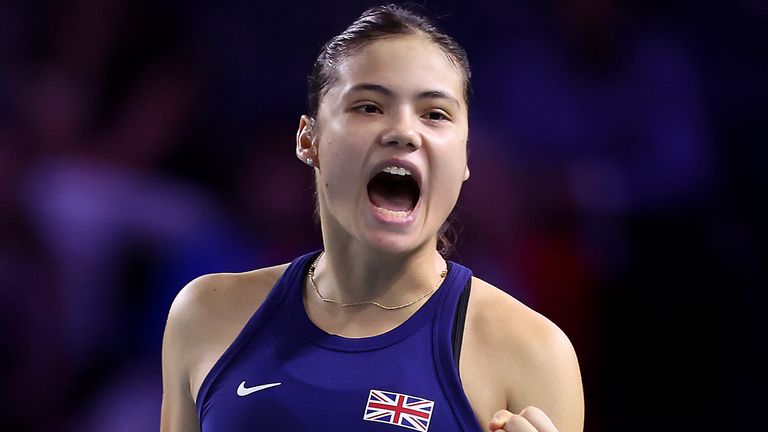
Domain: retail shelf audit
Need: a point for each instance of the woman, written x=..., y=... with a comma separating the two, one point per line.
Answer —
x=377, y=332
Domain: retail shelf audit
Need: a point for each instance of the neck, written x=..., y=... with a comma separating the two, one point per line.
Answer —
x=353, y=273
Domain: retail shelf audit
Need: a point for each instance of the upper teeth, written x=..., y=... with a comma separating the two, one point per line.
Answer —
x=396, y=170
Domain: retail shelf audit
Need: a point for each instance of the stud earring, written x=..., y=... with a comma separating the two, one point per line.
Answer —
x=309, y=161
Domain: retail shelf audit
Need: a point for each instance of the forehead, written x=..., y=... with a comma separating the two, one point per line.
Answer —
x=405, y=64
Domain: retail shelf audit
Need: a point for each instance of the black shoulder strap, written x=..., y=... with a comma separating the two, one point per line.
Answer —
x=457, y=333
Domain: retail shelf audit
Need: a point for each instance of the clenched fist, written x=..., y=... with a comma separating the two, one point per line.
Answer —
x=530, y=419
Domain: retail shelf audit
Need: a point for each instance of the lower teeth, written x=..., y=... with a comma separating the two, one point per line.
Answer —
x=392, y=213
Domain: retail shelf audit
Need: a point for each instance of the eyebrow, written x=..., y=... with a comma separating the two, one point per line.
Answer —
x=427, y=94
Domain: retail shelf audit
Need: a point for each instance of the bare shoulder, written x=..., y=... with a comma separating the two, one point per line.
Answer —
x=530, y=358
x=502, y=318
x=208, y=314
x=222, y=297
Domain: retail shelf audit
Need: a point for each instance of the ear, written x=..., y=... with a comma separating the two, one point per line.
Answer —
x=466, y=173
x=306, y=150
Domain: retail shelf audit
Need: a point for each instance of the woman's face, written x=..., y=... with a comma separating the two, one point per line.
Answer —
x=389, y=145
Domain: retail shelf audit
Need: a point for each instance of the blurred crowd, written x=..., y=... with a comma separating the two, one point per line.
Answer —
x=618, y=159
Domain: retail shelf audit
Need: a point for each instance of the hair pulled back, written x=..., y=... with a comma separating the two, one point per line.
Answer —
x=377, y=23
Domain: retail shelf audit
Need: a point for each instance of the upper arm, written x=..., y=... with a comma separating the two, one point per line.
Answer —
x=204, y=319
x=552, y=382
x=178, y=411
x=532, y=357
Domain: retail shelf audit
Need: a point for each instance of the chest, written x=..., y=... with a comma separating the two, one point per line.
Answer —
x=286, y=382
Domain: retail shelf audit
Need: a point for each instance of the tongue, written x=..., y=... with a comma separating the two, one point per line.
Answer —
x=390, y=198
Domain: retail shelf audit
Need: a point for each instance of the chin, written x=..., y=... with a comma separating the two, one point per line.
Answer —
x=394, y=244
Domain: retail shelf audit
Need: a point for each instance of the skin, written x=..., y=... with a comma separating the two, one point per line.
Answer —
x=398, y=98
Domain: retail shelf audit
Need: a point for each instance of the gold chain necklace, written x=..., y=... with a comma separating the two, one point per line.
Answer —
x=311, y=274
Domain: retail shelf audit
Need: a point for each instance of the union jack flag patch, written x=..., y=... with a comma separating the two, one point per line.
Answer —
x=399, y=409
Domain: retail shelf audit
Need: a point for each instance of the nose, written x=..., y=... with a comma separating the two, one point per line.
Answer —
x=401, y=131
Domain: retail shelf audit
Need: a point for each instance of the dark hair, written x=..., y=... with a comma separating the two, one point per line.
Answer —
x=377, y=23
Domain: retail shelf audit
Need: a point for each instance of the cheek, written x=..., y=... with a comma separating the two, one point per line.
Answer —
x=453, y=182
x=341, y=164
x=345, y=143
x=449, y=177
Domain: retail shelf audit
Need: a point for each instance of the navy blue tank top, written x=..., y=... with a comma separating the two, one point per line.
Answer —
x=284, y=373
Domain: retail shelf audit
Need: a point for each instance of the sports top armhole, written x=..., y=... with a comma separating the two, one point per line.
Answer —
x=457, y=333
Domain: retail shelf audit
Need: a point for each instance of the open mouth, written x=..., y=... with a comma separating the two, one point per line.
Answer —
x=394, y=191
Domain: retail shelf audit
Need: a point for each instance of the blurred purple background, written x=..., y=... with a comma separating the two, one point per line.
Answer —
x=618, y=156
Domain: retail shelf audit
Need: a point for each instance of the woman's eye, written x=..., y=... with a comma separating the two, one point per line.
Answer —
x=368, y=108
x=436, y=115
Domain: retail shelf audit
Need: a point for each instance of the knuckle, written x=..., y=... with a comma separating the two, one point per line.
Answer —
x=516, y=421
x=501, y=415
x=530, y=410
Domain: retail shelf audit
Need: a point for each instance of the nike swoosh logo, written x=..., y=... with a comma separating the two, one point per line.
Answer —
x=245, y=391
